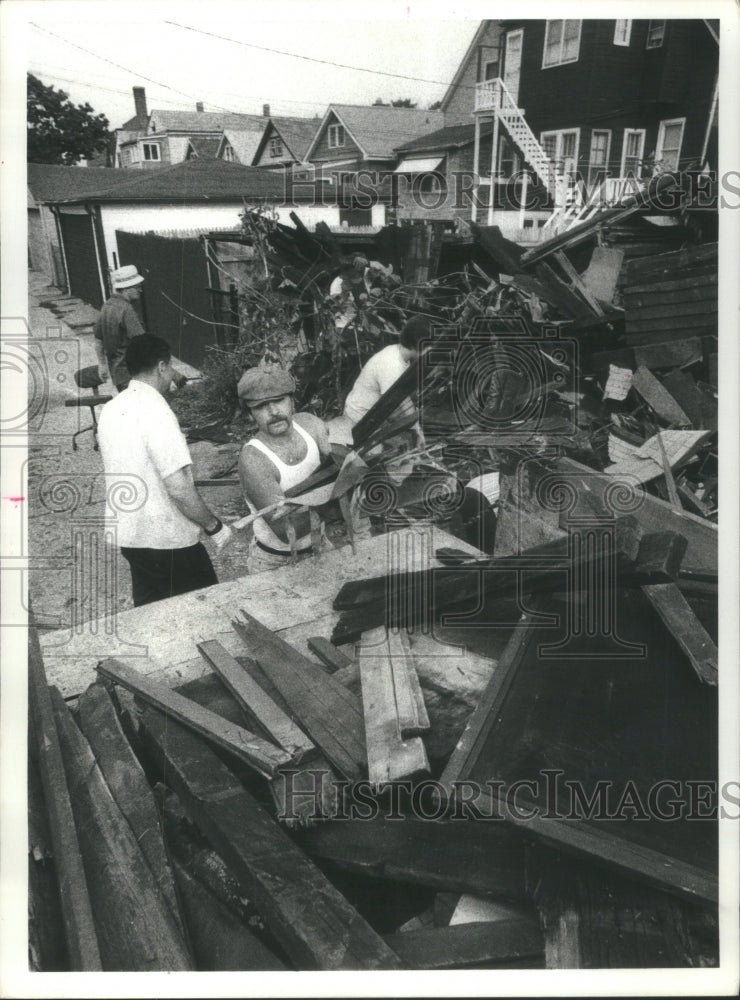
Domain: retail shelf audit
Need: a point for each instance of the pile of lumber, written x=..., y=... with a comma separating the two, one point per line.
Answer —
x=283, y=812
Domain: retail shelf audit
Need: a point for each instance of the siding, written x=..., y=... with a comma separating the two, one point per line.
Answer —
x=617, y=87
x=459, y=111
x=323, y=153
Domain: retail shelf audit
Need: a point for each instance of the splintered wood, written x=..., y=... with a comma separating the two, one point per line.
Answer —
x=394, y=708
x=258, y=753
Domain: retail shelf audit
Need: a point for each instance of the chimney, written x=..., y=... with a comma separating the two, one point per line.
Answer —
x=199, y=106
x=140, y=102
x=265, y=110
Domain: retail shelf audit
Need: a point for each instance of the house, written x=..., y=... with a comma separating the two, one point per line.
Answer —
x=354, y=137
x=285, y=142
x=426, y=174
x=162, y=138
x=197, y=195
x=46, y=185
x=581, y=102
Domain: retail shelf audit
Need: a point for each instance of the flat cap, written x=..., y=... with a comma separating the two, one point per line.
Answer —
x=257, y=385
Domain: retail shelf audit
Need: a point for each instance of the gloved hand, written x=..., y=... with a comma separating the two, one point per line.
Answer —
x=103, y=373
x=222, y=537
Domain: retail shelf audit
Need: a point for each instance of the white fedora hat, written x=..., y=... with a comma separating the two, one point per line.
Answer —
x=126, y=276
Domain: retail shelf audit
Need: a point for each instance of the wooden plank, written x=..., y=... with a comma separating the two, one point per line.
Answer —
x=252, y=698
x=412, y=713
x=79, y=928
x=652, y=513
x=130, y=789
x=577, y=282
x=582, y=838
x=313, y=922
x=389, y=756
x=221, y=941
x=594, y=921
x=262, y=756
x=466, y=945
x=646, y=462
x=329, y=713
x=680, y=619
x=706, y=276
x=328, y=653
x=669, y=354
x=658, y=397
x=302, y=793
x=702, y=410
x=463, y=854
x=136, y=929
x=681, y=326
x=666, y=263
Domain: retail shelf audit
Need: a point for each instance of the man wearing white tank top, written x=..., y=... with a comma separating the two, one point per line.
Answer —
x=286, y=450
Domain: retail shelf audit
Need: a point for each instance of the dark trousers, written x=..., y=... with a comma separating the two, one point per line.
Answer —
x=160, y=573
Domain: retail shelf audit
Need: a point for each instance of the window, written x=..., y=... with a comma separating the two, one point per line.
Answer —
x=336, y=136
x=633, y=148
x=509, y=161
x=670, y=137
x=490, y=70
x=276, y=147
x=150, y=150
x=562, y=43
x=655, y=33
x=598, y=161
x=622, y=32
x=229, y=153
x=562, y=148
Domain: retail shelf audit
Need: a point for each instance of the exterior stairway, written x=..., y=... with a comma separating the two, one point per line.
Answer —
x=493, y=98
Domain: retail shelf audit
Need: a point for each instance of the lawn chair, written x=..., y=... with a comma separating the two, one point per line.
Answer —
x=88, y=378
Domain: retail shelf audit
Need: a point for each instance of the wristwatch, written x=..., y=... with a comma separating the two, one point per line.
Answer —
x=214, y=531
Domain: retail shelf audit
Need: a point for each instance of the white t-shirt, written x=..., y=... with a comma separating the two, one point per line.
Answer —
x=377, y=376
x=142, y=444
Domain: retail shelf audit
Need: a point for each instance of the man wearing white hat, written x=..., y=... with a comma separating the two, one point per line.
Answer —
x=285, y=451
x=117, y=324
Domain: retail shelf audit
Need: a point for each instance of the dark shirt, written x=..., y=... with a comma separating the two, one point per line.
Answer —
x=117, y=323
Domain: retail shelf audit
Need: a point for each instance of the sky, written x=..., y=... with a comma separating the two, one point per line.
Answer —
x=98, y=51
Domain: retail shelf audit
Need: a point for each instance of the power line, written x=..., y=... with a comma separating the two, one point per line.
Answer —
x=296, y=55
x=126, y=69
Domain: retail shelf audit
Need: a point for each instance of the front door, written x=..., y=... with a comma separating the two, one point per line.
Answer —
x=513, y=61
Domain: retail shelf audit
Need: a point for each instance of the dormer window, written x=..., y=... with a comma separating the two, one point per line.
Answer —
x=228, y=153
x=335, y=136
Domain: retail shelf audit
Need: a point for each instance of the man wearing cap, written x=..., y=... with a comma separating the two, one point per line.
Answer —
x=141, y=443
x=116, y=324
x=286, y=450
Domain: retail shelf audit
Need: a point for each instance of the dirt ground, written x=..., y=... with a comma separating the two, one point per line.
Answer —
x=73, y=576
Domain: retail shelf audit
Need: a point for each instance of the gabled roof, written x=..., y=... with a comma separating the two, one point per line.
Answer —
x=297, y=135
x=452, y=137
x=379, y=129
x=191, y=180
x=480, y=31
x=49, y=183
x=136, y=124
x=205, y=147
x=202, y=121
x=243, y=141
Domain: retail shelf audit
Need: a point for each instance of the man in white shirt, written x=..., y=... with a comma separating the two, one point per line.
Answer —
x=141, y=441
x=285, y=451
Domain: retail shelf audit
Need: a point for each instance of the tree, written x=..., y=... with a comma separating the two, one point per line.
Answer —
x=402, y=102
x=436, y=106
x=58, y=131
